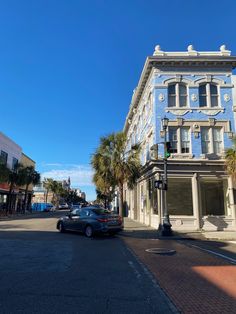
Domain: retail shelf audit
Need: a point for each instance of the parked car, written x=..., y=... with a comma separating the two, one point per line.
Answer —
x=63, y=206
x=91, y=220
x=75, y=206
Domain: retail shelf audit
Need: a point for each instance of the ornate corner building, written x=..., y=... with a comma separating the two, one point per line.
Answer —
x=195, y=91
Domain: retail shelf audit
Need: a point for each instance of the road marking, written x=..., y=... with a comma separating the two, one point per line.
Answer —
x=137, y=273
x=231, y=260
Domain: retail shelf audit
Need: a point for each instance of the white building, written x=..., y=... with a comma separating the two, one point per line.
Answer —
x=10, y=155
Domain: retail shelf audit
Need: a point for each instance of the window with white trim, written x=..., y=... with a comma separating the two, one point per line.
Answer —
x=14, y=163
x=3, y=158
x=208, y=95
x=179, y=138
x=177, y=95
x=212, y=140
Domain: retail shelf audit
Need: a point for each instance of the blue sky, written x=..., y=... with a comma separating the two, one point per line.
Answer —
x=68, y=69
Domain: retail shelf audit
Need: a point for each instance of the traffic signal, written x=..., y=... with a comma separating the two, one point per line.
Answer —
x=167, y=149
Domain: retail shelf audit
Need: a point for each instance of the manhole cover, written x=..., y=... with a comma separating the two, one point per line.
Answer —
x=161, y=251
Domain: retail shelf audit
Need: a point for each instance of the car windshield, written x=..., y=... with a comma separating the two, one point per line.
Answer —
x=101, y=211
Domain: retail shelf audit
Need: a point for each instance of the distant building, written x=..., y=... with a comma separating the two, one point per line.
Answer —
x=10, y=155
x=41, y=195
x=80, y=194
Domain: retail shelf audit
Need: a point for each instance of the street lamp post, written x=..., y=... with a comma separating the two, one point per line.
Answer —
x=165, y=228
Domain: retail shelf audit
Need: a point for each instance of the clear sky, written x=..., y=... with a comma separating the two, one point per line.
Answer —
x=68, y=69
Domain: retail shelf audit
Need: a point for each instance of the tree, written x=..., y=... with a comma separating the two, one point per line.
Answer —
x=71, y=197
x=114, y=165
x=56, y=188
x=230, y=160
x=15, y=178
x=47, y=183
x=4, y=173
x=29, y=176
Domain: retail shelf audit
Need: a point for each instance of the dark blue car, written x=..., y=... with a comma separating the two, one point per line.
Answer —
x=91, y=220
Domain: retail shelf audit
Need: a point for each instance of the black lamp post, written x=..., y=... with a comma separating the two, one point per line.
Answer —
x=165, y=227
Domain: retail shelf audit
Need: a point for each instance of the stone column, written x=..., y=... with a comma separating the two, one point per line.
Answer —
x=231, y=200
x=196, y=201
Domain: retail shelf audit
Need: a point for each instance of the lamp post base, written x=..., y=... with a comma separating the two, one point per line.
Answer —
x=165, y=228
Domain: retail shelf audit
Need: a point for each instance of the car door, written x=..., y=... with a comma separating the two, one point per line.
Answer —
x=70, y=219
x=84, y=218
x=76, y=219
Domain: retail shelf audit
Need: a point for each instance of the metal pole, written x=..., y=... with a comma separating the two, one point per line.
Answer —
x=166, y=226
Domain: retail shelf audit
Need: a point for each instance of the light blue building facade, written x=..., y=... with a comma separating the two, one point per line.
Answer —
x=195, y=91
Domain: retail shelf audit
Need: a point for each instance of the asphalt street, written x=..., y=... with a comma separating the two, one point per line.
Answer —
x=44, y=271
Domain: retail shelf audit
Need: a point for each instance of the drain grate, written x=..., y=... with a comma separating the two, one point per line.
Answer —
x=161, y=251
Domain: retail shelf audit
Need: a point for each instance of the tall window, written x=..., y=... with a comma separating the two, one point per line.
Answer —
x=177, y=95
x=185, y=142
x=205, y=141
x=179, y=140
x=217, y=140
x=173, y=140
x=212, y=142
x=14, y=163
x=3, y=158
x=208, y=95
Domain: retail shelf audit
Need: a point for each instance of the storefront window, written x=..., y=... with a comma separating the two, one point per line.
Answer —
x=179, y=197
x=213, y=195
x=3, y=201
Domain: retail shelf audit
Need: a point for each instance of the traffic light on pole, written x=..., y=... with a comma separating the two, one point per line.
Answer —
x=167, y=149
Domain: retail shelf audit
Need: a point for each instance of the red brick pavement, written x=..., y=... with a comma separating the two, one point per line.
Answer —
x=195, y=281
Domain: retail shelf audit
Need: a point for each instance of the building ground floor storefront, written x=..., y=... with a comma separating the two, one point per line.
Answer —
x=200, y=196
x=15, y=202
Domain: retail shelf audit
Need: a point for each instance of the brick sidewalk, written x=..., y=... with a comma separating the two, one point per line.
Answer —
x=195, y=281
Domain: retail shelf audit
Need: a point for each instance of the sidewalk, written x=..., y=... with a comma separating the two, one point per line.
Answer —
x=196, y=282
x=134, y=226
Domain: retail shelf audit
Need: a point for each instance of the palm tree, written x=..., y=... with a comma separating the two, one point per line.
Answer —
x=114, y=165
x=230, y=160
x=15, y=178
x=30, y=176
x=47, y=183
x=56, y=188
x=4, y=173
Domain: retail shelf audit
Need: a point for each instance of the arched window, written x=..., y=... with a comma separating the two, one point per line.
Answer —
x=208, y=95
x=177, y=95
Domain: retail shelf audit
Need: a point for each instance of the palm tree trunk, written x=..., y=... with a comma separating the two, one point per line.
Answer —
x=121, y=200
x=46, y=196
x=9, y=203
x=26, y=198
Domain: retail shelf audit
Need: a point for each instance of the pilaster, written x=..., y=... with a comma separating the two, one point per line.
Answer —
x=196, y=200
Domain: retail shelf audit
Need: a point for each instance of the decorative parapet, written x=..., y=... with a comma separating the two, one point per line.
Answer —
x=191, y=52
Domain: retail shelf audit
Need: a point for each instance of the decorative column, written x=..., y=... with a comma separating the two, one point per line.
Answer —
x=196, y=201
x=231, y=200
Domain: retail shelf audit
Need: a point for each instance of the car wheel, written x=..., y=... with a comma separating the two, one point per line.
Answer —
x=61, y=227
x=88, y=231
